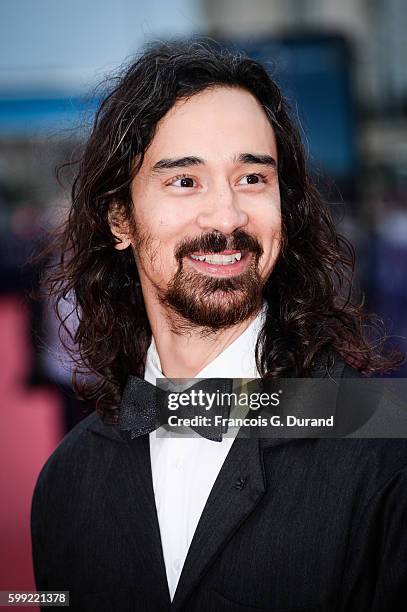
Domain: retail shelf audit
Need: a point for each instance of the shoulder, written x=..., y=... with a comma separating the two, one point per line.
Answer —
x=86, y=445
x=371, y=423
x=75, y=443
x=330, y=364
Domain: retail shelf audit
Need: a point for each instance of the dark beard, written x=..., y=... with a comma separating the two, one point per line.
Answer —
x=213, y=303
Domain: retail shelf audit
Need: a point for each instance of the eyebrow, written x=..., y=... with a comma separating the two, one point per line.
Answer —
x=177, y=162
x=256, y=158
x=191, y=160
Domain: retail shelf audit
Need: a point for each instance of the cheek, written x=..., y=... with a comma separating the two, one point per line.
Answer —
x=268, y=230
x=158, y=235
x=160, y=218
x=151, y=224
x=267, y=224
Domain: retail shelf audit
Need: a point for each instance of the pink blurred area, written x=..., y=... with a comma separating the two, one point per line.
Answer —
x=31, y=427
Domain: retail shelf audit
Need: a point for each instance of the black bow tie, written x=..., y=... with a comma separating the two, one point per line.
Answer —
x=145, y=407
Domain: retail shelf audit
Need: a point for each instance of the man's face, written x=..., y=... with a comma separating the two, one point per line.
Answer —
x=207, y=209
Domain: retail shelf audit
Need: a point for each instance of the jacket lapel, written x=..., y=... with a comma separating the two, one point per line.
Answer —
x=238, y=488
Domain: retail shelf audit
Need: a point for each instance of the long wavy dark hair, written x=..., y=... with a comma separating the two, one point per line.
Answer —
x=309, y=293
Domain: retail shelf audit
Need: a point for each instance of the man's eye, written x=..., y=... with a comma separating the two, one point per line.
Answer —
x=252, y=179
x=183, y=181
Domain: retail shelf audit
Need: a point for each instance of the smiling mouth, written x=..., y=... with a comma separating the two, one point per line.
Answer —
x=226, y=263
x=226, y=258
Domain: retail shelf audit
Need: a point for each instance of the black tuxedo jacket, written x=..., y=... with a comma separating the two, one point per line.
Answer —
x=318, y=524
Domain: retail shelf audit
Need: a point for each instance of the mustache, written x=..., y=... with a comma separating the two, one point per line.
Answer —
x=216, y=242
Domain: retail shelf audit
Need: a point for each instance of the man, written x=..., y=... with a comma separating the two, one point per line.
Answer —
x=197, y=247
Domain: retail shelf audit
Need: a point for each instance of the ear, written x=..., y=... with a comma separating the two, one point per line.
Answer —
x=119, y=226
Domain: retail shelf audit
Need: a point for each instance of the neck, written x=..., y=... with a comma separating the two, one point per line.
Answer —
x=184, y=355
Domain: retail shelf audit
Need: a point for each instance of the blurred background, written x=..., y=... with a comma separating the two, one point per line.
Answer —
x=343, y=67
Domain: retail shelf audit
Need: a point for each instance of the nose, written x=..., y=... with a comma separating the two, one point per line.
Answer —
x=222, y=211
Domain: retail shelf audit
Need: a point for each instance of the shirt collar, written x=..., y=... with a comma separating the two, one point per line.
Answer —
x=236, y=361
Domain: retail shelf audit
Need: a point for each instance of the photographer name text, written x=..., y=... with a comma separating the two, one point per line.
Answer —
x=256, y=421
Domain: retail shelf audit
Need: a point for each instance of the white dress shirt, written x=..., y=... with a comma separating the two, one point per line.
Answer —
x=184, y=469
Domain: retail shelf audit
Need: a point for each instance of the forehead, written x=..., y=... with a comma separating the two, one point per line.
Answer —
x=215, y=124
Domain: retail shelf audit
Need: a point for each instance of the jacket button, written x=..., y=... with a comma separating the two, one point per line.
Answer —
x=240, y=483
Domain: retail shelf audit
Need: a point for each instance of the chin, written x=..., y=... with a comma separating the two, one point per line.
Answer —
x=221, y=309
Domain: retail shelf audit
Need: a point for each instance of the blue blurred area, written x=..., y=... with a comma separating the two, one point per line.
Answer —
x=36, y=116
x=314, y=73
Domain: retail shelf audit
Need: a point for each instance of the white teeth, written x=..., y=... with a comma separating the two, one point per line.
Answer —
x=223, y=260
